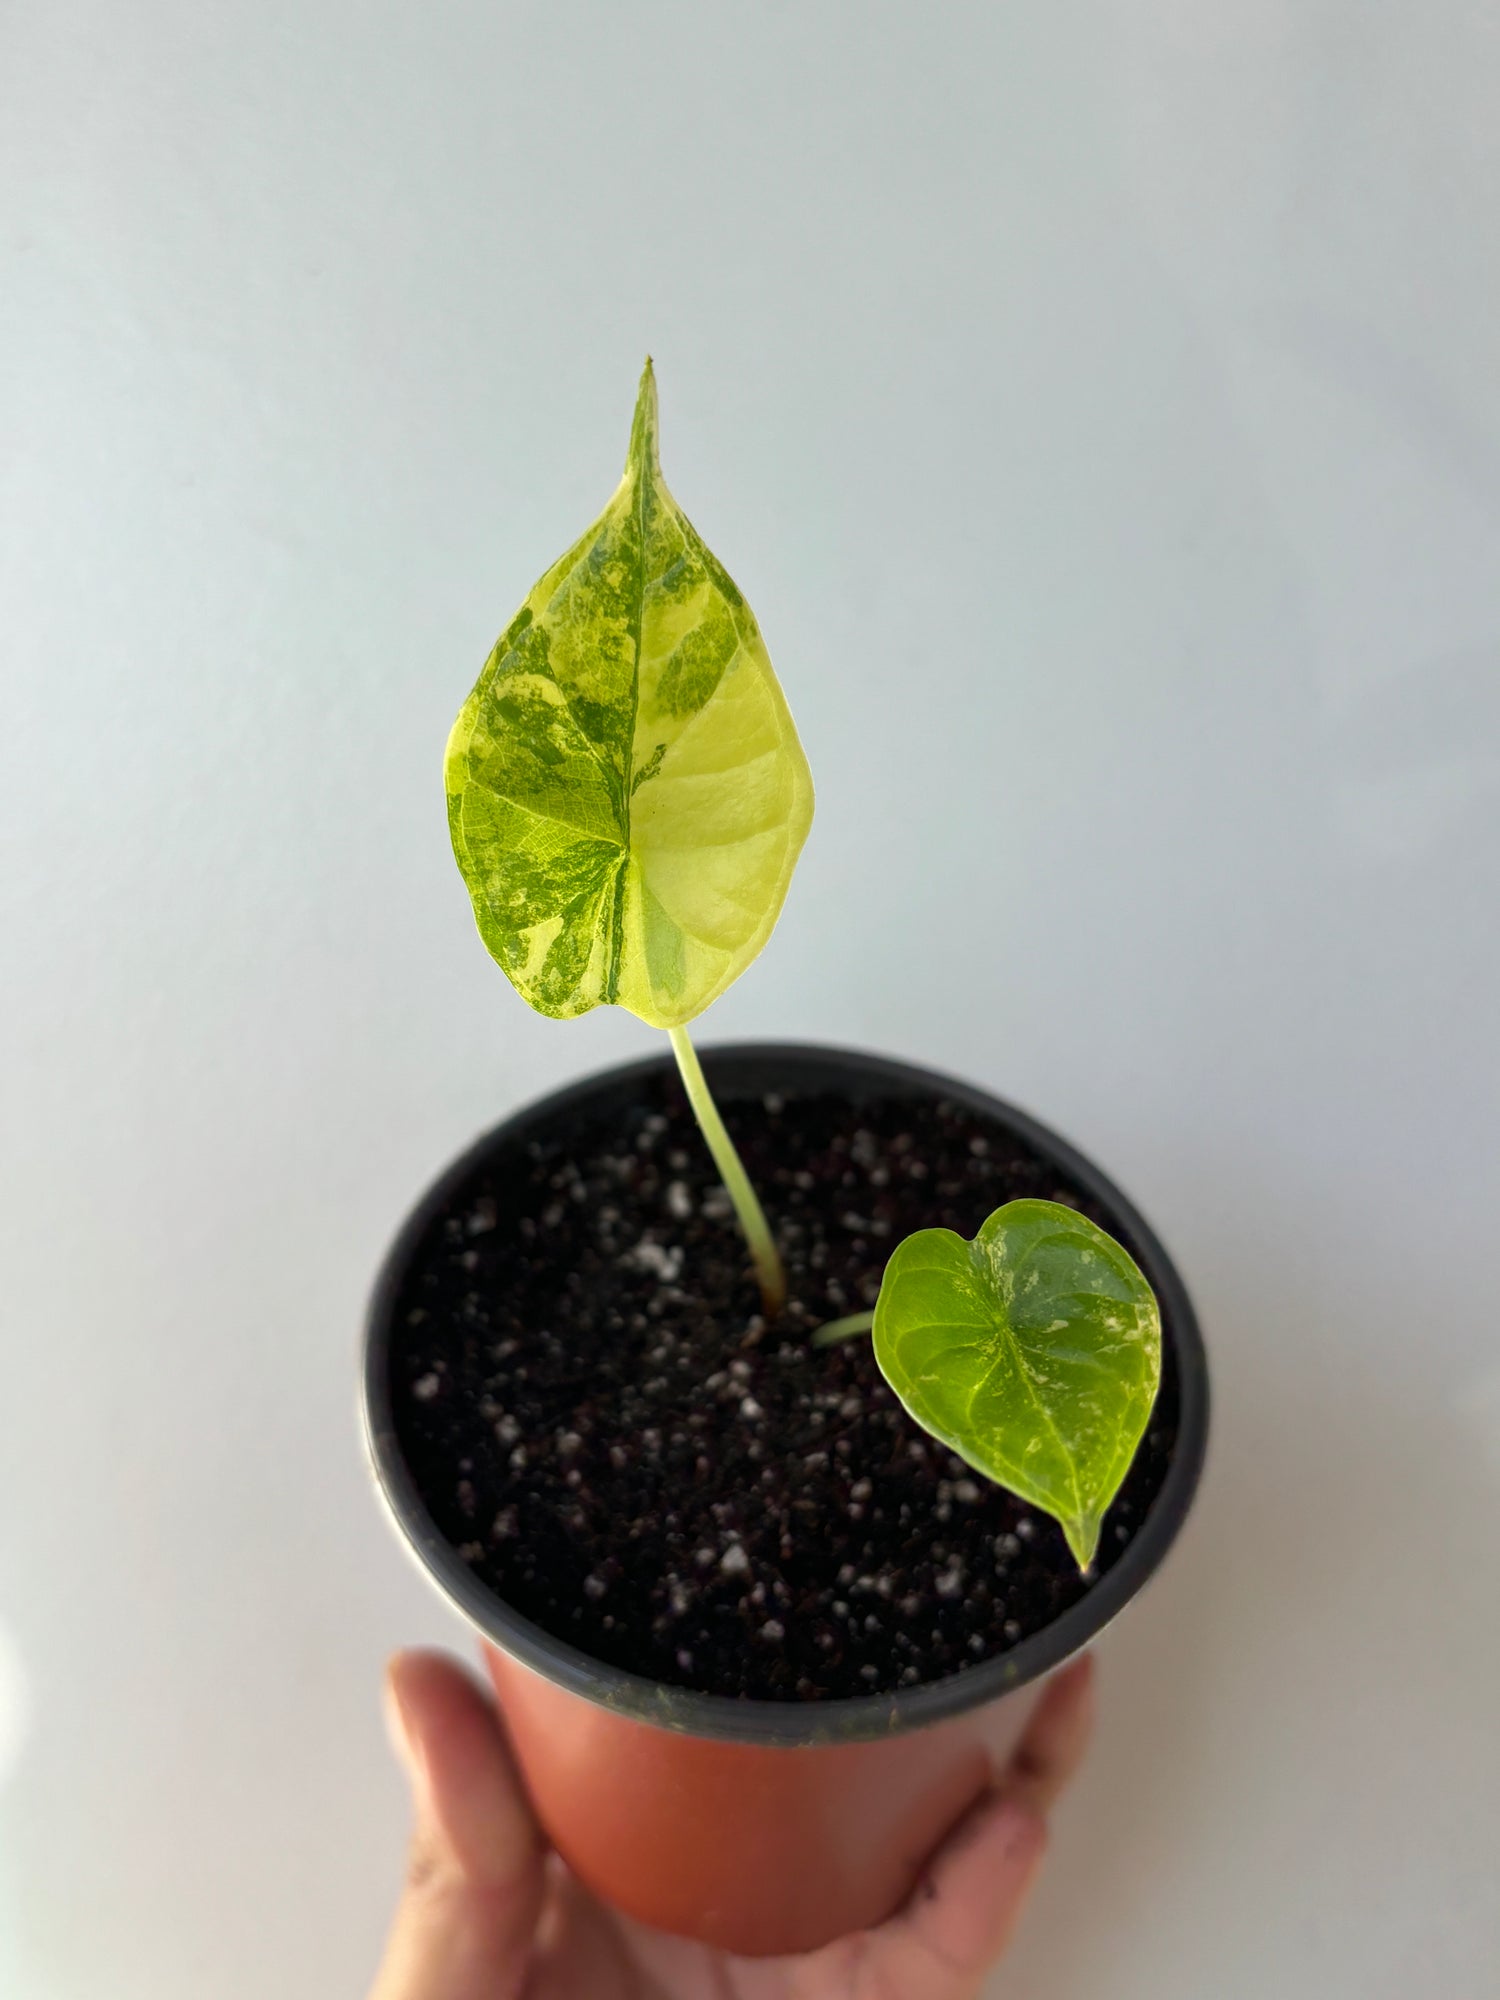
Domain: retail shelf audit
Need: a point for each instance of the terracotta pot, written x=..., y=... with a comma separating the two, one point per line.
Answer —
x=763, y=1826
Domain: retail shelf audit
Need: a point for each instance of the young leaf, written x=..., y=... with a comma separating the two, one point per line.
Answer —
x=626, y=792
x=1034, y=1352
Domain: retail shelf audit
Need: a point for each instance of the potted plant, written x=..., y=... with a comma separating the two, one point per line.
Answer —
x=776, y=1471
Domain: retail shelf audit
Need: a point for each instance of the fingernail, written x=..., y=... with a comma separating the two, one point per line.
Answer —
x=1017, y=1827
x=1003, y=1820
x=397, y=1727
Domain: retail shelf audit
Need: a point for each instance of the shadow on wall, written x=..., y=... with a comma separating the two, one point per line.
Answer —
x=1315, y=1661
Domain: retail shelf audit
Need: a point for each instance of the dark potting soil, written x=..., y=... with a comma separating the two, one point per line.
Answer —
x=608, y=1431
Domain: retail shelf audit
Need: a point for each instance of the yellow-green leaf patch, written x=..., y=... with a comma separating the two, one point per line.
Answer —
x=626, y=792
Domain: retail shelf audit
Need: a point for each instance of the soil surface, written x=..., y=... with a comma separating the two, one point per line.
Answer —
x=614, y=1439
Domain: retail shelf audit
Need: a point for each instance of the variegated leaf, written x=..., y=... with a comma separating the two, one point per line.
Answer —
x=1034, y=1352
x=626, y=792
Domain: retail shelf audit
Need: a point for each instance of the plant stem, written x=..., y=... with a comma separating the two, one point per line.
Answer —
x=843, y=1329
x=746, y=1206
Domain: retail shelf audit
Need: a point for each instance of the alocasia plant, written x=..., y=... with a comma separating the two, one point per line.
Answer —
x=626, y=792
x=627, y=799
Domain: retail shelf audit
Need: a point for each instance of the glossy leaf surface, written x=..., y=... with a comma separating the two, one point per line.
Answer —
x=626, y=792
x=1034, y=1352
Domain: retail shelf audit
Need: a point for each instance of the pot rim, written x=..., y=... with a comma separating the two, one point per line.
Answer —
x=767, y=1066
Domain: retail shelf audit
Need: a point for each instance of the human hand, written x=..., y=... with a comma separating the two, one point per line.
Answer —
x=488, y=1914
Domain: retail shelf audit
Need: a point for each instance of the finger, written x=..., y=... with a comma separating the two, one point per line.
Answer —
x=960, y=1917
x=962, y=1914
x=464, y=1926
x=581, y=1952
x=1055, y=1741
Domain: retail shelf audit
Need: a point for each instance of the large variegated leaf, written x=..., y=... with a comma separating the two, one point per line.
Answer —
x=626, y=792
x=1034, y=1352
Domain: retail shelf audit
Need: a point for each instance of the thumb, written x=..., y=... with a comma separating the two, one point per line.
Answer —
x=463, y=1928
x=962, y=1914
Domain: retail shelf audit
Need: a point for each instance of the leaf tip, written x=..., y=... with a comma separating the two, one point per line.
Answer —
x=643, y=450
x=1082, y=1536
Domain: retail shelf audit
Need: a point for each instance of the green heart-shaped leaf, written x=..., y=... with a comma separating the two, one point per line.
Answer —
x=626, y=792
x=1034, y=1352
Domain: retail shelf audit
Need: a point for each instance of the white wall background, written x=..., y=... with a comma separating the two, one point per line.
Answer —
x=1100, y=405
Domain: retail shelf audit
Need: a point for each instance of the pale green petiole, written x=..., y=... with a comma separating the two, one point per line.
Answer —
x=835, y=1330
x=747, y=1207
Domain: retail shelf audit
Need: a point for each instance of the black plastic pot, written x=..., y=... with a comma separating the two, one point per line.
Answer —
x=766, y=1826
